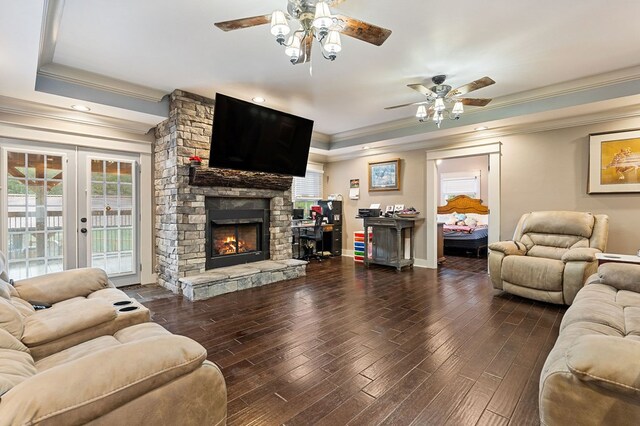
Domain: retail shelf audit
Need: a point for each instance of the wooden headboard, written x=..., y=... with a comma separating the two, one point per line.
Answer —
x=464, y=204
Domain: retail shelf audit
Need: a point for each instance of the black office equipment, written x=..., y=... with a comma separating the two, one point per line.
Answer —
x=250, y=137
x=333, y=211
x=368, y=212
x=298, y=214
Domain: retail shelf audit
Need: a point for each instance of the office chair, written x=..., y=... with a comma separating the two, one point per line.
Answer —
x=310, y=238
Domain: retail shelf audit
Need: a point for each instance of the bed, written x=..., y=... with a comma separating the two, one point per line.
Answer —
x=462, y=236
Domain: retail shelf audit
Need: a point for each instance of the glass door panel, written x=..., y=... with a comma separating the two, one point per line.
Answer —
x=34, y=216
x=112, y=209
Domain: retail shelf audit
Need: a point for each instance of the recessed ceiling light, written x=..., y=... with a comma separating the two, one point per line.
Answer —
x=481, y=128
x=82, y=108
x=258, y=99
x=366, y=147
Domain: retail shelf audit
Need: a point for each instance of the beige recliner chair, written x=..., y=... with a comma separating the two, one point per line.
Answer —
x=551, y=256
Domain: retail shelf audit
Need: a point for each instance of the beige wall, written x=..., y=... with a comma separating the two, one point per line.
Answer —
x=540, y=171
x=468, y=164
x=411, y=194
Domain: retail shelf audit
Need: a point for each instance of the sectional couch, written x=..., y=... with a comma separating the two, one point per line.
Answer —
x=89, y=355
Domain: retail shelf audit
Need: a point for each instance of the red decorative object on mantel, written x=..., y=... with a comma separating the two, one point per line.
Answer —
x=195, y=160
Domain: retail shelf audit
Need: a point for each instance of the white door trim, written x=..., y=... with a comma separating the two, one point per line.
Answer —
x=493, y=151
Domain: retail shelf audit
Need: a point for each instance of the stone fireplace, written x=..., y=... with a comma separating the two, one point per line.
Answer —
x=201, y=214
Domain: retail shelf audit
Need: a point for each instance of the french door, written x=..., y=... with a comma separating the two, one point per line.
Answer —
x=64, y=208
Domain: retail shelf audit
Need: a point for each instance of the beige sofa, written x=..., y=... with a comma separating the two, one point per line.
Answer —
x=82, y=308
x=592, y=375
x=85, y=361
x=551, y=255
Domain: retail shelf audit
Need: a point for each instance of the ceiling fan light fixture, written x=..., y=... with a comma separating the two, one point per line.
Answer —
x=293, y=48
x=333, y=45
x=322, y=19
x=458, y=109
x=279, y=25
x=421, y=113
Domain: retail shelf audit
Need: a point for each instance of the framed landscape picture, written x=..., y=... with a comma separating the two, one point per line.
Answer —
x=384, y=175
x=614, y=162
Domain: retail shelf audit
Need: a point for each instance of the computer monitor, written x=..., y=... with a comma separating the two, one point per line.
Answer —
x=298, y=214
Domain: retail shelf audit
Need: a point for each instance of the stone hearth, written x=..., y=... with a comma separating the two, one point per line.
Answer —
x=180, y=207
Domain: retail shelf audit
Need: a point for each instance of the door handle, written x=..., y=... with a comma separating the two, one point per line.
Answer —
x=83, y=230
x=83, y=219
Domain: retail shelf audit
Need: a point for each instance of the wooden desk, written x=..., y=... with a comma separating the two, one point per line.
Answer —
x=617, y=258
x=387, y=245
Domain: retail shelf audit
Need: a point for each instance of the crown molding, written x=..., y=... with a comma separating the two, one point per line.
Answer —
x=545, y=93
x=100, y=82
x=22, y=108
x=49, y=31
x=472, y=138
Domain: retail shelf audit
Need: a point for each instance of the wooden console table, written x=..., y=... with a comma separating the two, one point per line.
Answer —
x=386, y=247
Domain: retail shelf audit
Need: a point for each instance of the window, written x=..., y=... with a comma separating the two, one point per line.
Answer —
x=460, y=183
x=306, y=191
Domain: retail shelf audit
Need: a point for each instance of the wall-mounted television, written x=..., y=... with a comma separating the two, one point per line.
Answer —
x=254, y=138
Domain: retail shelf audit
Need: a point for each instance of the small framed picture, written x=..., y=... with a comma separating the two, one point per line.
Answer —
x=398, y=207
x=389, y=209
x=384, y=175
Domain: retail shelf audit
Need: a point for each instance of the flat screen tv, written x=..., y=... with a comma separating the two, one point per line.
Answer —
x=250, y=137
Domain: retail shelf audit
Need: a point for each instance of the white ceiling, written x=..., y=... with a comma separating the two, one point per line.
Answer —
x=168, y=44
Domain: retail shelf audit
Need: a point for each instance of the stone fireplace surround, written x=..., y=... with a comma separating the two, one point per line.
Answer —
x=180, y=218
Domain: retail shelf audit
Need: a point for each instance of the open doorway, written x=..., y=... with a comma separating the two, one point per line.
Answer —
x=488, y=154
x=463, y=215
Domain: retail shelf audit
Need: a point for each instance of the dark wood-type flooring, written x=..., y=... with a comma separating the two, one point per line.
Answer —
x=349, y=345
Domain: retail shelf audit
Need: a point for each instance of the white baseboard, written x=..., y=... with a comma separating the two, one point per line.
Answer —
x=418, y=263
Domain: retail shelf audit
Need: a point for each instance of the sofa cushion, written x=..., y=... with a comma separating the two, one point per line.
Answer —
x=51, y=324
x=15, y=367
x=6, y=290
x=9, y=341
x=75, y=352
x=141, y=331
x=11, y=319
x=596, y=304
x=534, y=272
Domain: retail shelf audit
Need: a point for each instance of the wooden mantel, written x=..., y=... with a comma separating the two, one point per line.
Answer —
x=211, y=176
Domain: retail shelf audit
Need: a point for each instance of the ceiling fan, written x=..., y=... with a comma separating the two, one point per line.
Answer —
x=441, y=93
x=316, y=21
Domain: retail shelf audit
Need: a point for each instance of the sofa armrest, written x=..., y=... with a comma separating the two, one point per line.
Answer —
x=59, y=321
x=84, y=389
x=608, y=362
x=509, y=248
x=58, y=286
x=618, y=275
x=582, y=254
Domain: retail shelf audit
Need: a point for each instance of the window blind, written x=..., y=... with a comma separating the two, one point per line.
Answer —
x=465, y=183
x=308, y=187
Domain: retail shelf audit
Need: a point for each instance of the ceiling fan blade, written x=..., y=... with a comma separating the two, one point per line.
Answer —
x=475, y=101
x=238, y=24
x=363, y=30
x=470, y=87
x=306, y=50
x=406, y=105
x=422, y=89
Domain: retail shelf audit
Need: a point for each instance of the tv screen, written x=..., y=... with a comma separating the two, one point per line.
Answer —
x=250, y=137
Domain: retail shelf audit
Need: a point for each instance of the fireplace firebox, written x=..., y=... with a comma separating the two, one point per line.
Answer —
x=237, y=231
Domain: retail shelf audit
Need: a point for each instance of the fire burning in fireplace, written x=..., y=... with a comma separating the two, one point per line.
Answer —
x=229, y=245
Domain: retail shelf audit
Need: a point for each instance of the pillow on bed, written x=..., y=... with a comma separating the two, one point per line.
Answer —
x=482, y=219
x=471, y=222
